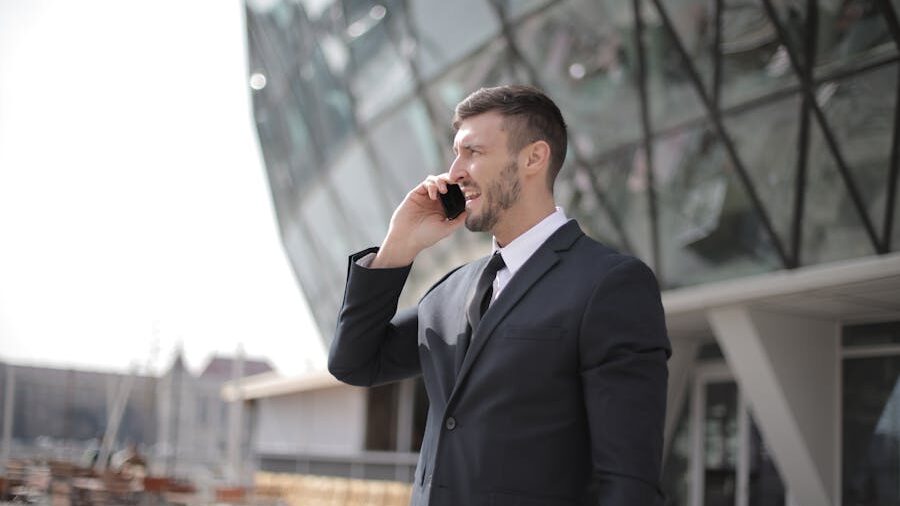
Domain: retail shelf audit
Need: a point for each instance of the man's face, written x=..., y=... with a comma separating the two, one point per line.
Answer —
x=485, y=170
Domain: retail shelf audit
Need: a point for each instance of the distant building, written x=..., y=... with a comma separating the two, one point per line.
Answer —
x=313, y=424
x=74, y=405
x=180, y=415
x=193, y=418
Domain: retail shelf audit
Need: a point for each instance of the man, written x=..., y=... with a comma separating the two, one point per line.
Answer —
x=551, y=389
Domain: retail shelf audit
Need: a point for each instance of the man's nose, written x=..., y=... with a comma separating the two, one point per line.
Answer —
x=457, y=173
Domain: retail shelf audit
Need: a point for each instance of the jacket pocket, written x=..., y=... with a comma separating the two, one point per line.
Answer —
x=529, y=333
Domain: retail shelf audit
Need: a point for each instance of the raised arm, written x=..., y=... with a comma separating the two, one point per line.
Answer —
x=373, y=343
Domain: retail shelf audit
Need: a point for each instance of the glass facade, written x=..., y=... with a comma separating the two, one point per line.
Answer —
x=871, y=416
x=712, y=139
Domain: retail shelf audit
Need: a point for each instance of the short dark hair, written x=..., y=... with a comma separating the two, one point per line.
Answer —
x=529, y=116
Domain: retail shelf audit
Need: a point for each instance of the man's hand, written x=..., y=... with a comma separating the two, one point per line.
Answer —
x=418, y=223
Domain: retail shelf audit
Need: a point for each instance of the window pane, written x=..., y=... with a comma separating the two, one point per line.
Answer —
x=673, y=96
x=362, y=194
x=378, y=74
x=676, y=477
x=720, y=444
x=850, y=30
x=766, y=487
x=622, y=178
x=447, y=31
x=407, y=148
x=871, y=334
x=583, y=50
x=492, y=66
x=871, y=430
x=708, y=226
x=516, y=8
x=860, y=113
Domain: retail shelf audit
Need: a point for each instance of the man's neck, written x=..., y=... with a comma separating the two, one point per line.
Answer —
x=516, y=222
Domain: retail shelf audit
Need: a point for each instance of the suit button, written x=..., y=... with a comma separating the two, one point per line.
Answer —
x=450, y=423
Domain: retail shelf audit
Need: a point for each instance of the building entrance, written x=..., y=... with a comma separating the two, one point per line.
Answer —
x=730, y=464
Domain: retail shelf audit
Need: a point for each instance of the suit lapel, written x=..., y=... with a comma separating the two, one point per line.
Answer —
x=533, y=270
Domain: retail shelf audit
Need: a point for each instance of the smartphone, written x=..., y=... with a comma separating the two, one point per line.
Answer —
x=454, y=201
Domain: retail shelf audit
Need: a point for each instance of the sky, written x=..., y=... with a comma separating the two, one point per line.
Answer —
x=135, y=215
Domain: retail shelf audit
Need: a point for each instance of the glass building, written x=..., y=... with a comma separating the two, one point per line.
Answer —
x=747, y=150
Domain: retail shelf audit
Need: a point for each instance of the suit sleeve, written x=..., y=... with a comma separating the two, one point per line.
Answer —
x=373, y=342
x=624, y=349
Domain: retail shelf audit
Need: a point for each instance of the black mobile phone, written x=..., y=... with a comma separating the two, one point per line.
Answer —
x=454, y=201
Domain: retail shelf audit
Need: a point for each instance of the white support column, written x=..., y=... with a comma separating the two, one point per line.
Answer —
x=684, y=351
x=787, y=366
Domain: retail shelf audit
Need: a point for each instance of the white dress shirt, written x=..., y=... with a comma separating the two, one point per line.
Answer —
x=516, y=253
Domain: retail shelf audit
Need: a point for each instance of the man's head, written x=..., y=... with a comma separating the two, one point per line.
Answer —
x=510, y=144
x=529, y=116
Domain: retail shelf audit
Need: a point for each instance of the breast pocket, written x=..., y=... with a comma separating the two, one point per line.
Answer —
x=533, y=333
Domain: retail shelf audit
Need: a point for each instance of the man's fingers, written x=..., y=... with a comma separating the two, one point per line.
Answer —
x=435, y=185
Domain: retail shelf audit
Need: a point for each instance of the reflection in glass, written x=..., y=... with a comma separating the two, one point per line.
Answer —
x=622, y=177
x=765, y=486
x=720, y=444
x=319, y=285
x=860, y=113
x=362, y=195
x=832, y=229
x=694, y=24
x=447, y=31
x=676, y=476
x=584, y=52
x=492, y=66
x=871, y=430
x=672, y=95
x=517, y=8
x=378, y=73
x=848, y=29
x=871, y=334
x=407, y=148
x=770, y=156
x=753, y=60
x=708, y=227
x=322, y=216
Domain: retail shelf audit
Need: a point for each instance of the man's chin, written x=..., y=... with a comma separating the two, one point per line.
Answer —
x=473, y=223
x=477, y=223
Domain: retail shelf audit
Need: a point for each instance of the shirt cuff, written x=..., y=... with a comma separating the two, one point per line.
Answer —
x=366, y=260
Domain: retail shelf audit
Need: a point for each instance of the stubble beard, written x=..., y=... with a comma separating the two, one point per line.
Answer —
x=501, y=194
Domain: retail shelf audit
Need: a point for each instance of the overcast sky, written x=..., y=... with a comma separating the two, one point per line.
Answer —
x=133, y=201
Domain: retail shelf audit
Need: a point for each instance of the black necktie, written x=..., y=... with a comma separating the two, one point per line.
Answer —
x=481, y=299
x=483, y=290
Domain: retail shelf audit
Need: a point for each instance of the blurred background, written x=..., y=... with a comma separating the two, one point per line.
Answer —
x=181, y=184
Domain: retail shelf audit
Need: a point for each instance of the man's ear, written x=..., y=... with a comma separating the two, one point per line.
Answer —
x=535, y=157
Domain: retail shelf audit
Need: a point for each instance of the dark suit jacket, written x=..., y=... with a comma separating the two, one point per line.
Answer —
x=561, y=397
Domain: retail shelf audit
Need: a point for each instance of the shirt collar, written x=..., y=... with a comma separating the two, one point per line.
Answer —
x=517, y=252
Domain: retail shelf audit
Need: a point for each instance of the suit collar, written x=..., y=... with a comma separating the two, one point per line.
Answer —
x=532, y=270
